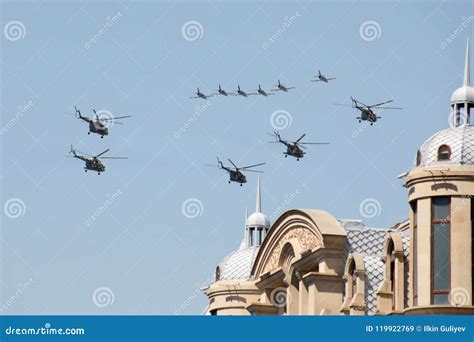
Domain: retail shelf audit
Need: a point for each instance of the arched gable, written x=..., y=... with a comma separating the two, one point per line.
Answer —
x=303, y=229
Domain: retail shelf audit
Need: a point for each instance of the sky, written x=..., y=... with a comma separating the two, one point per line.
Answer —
x=144, y=236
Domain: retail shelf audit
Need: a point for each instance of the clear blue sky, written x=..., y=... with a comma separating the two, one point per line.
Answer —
x=142, y=247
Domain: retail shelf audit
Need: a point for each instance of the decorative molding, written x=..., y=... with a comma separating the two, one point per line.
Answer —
x=305, y=237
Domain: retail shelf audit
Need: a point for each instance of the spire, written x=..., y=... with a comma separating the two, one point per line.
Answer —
x=258, y=206
x=466, y=66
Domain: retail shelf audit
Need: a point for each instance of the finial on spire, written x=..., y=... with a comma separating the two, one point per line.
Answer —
x=466, y=66
x=258, y=206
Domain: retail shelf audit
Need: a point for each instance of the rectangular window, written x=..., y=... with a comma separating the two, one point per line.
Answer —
x=415, y=254
x=440, y=249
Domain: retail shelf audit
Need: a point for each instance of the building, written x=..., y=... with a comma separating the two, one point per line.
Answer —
x=309, y=263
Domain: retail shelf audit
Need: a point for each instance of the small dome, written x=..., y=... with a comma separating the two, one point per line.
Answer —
x=463, y=94
x=237, y=265
x=447, y=147
x=258, y=220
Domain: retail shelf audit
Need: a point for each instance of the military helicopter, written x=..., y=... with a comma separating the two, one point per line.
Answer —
x=262, y=92
x=92, y=162
x=222, y=92
x=322, y=78
x=235, y=173
x=281, y=87
x=293, y=148
x=200, y=95
x=366, y=112
x=96, y=124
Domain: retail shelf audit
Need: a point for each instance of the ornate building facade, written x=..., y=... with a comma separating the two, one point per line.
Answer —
x=309, y=263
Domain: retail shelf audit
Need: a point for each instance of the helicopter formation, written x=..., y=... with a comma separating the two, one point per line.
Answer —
x=295, y=148
x=98, y=126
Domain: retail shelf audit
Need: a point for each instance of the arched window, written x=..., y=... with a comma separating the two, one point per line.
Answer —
x=418, y=158
x=391, y=266
x=353, y=279
x=218, y=273
x=444, y=152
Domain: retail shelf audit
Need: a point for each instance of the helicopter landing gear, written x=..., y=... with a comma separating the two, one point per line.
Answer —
x=85, y=170
x=286, y=156
x=371, y=124
x=297, y=159
x=240, y=184
x=229, y=182
x=88, y=133
x=102, y=137
x=360, y=121
x=98, y=173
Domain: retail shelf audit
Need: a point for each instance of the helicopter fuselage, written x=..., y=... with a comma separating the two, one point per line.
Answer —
x=367, y=114
x=237, y=176
x=294, y=151
x=94, y=164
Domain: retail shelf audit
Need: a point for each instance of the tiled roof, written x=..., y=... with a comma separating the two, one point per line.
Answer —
x=374, y=274
x=459, y=139
x=238, y=264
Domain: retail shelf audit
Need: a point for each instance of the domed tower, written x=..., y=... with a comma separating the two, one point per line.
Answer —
x=257, y=224
x=233, y=287
x=440, y=190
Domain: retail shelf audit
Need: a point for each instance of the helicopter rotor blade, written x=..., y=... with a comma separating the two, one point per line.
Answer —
x=116, y=117
x=248, y=167
x=311, y=143
x=107, y=150
x=379, y=104
x=233, y=163
x=386, y=107
x=254, y=171
x=297, y=141
x=112, y=157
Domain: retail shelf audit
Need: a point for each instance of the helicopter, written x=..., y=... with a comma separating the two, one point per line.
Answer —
x=96, y=124
x=322, y=78
x=92, y=162
x=222, y=92
x=262, y=92
x=200, y=95
x=235, y=173
x=366, y=112
x=293, y=148
x=281, y=87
